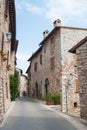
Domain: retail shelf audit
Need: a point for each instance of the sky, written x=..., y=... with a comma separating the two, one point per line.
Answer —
x=33, y=17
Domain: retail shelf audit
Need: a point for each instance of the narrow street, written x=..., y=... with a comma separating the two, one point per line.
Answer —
x=32, y=115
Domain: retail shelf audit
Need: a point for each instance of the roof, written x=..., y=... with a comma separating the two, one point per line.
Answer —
x=28, y=69
x=38, y=50
x=73, y=49
x=49, y=35
x=24, y=76
x=19, y=70
x=16, y=45
x=57, y=28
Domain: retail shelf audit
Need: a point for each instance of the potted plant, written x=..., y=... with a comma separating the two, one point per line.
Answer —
x=1, y=52
x=3, y=55
x=9, y=67
x=48, y=99
x=5, y=58
x=55, y=98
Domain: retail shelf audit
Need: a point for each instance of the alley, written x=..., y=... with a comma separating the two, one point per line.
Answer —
x=32, y=115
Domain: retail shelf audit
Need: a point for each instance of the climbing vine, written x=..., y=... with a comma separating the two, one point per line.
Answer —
x=14, y=83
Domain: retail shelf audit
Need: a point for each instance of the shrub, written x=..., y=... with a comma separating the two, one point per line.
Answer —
x=48, y=97
x=14, y=83
x=55, y=97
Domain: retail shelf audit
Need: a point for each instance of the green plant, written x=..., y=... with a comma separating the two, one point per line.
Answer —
x=48, y=97
x=55, y=97
x=14, y=83
x=1, y=52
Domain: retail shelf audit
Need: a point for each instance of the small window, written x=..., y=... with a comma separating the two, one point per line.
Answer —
x=77, y=86
x=7, y=57
x=35, y=66
x=41, y=59
x=2, y=45
x=52, y=62
x=52, y=40
x=6, y=90
x=52, y=46
x=75, y=104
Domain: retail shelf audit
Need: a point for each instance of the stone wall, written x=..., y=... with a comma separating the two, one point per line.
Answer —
x=82, y=75
x=4, y=74
x=5, y=61
x=36, y=76
x=70, y=95
x=58, y=68
x=23, y=85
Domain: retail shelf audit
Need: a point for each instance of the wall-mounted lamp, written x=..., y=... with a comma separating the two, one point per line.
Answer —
x=70, y=79
x=9, y=36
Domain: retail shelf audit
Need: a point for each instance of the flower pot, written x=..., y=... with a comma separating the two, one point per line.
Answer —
x=9, y=67
x=48, y=103
x=4, y=59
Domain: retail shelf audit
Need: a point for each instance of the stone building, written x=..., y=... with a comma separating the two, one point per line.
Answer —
x=80, y=49
x=53, y=69
x=8, y=48
x=23, y=85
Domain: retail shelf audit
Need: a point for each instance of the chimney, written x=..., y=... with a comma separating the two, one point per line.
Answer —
x=57, y=23
x=45, y=33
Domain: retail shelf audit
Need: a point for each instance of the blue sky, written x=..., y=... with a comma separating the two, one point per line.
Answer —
x=35, y=16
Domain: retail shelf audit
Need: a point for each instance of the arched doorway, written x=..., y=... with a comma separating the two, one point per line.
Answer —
x=36, y=90
x=46, y=85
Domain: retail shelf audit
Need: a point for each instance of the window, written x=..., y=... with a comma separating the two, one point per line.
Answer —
x=6, y=8
x=41, y=59
x=6, y=90
x=35, y=66
x=52, y=46
x=52, y=62
x=75, y=60
x=75, y=104
x=52, y=40
x=2, y=46
x=7, y=57
x=77, y=87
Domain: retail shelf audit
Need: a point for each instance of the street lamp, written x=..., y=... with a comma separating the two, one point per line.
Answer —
x=70, y=79
x=9, y=36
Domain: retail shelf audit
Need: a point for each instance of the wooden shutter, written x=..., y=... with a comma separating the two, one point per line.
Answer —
x=6, y=8
x=77, y=86
x=52, y=62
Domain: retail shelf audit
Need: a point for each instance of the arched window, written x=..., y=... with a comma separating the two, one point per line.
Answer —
x=46, y=85
x=36, y=90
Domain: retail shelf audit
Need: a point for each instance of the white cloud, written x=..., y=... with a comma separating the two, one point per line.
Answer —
x=24, y=5
x=66, y=9
x=22, y=57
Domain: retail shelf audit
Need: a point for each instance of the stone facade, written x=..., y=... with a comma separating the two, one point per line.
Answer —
x=7, y=52
x=53, y=69
x=23, y=85
x=81, y=50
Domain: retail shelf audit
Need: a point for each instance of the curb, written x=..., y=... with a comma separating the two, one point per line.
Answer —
x=7, y=113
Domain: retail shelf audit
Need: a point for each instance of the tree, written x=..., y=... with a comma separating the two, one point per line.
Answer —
x=14, y=83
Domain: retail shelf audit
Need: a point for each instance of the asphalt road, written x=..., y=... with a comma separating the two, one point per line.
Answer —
x=32, y=115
